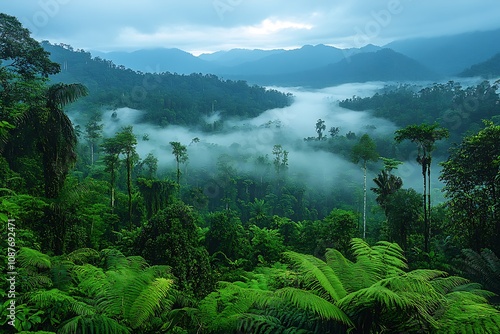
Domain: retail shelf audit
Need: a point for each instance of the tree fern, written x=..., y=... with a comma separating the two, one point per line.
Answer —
x=113, y=258
x=222, y=310
x=148, y=300
x=373, y=294
x=128, y=290
x=65, y=303
x=483, y=267
x=96, y=323
x=28, y=257
x=83, y=255
x=265, y=324
x=311, y=302
x=465, y=313
x=382, y=260
x=318, y=276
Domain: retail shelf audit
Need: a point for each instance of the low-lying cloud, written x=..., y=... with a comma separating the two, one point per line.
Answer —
x=247, y=139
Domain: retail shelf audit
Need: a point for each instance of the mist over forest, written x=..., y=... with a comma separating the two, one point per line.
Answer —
x=314, y=189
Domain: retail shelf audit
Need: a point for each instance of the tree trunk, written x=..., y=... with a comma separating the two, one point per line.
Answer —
x=429, y=202
x=92, y=154
x=424, y=196
x=364, y=200
x=129, y=189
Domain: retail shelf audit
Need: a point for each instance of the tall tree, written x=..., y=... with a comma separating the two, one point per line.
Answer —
x=93, y=131
x=112, y=161
x=425, y=136
x=386, y=183
x=280, y=159
x=23, y=65
x=171, y=236
x=56, y=135
x=404, y=217
x=365, y=150
x=320, y=127
x=127, y=141
x=180, y=153
x=472, y=184
x=151, y=162
x=39, y=127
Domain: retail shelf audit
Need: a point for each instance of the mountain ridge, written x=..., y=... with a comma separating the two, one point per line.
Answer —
x=438, y=57
x=450, y=55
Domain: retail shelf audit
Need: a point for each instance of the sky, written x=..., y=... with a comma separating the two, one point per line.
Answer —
x=199, y=26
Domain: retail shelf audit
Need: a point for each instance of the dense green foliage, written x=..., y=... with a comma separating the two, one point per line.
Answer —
x=487, y=69
x=108, y=241
x=459, y=109
x=167, y=98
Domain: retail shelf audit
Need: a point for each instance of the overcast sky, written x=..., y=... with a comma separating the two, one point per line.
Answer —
x=210, y=25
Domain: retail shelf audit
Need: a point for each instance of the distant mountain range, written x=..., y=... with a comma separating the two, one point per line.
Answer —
x=487, y=69
x=450, y=55
x=321, y=65
x=381, y=65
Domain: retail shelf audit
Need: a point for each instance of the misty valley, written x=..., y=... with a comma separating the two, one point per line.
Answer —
x=314, y=190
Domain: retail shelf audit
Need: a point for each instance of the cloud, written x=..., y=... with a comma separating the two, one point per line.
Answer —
x=220, y=24
x=185, y=36
x=246, y=139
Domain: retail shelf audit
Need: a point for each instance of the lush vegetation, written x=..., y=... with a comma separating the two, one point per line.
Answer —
x=487, y=69
x=167, y=98
x=107, y=241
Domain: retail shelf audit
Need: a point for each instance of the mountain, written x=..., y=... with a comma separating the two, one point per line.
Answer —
x=487, y=69
x=382, y=65
x=449, y=55
x=237, y=56
x=165, y=98
x=160, y=60
x=306, y=58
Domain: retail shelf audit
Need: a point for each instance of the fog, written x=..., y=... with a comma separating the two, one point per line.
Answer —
x=244, y=140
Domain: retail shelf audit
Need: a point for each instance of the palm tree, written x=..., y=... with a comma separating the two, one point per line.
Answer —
x=387, y=184
x=424, y=135
x=56, y=135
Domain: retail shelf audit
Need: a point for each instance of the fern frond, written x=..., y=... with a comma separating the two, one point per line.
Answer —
x=445, y=285
x=359, y=247
x=483, y=267
x=136, y=263
x=28, y=257
x=392, y=256
x=113, y=259
x=96, y=323
x=147, y=302
x=91, y=280
x=49, y=298
x=259, y=324
x=83, y=255
x=311, y=302
x=344, y=269
x=468, y=313
x=376, y=296
x=318, y=276
x=33, y=282
x=221, y=310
